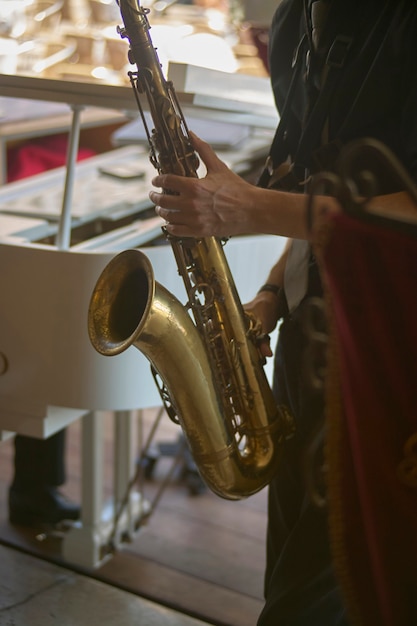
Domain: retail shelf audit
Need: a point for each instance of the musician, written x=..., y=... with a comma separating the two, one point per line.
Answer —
x=374, y=95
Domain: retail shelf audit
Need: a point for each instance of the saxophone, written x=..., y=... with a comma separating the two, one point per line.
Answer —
x=208, y=371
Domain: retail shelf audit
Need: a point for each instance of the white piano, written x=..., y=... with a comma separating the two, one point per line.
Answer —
x=57, y=232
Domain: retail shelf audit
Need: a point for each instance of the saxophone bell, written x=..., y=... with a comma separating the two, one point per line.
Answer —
x=128, y=307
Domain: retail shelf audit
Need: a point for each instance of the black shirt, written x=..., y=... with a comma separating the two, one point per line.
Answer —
x=386, y=107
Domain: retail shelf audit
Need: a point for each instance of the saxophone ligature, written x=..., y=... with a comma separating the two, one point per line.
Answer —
x=206, y=364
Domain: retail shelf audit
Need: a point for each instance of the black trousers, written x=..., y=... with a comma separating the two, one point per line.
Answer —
x=39, y=462
x=300, y=586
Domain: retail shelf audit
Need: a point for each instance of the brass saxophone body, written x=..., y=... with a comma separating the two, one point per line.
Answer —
x=209, y=370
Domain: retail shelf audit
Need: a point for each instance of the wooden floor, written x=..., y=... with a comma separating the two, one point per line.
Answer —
x=197, y=553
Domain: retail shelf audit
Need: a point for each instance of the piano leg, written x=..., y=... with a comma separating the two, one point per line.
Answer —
x=82, y=544
x=91, y=541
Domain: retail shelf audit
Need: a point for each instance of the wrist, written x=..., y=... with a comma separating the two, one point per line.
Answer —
x=271, y=288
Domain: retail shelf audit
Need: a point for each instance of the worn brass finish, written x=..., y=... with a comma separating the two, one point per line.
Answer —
x=212, y=375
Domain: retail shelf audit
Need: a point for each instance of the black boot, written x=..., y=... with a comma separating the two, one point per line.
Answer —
x=40, y=506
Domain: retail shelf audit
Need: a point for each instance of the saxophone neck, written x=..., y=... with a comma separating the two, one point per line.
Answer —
x=133, y=15
x=136, y=30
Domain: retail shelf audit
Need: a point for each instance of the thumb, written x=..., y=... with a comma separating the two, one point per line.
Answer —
x=207, y=154
x=264, y=347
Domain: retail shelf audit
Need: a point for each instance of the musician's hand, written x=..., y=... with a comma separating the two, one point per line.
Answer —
x=265, y=309
x=218, y=204
x=264, y=346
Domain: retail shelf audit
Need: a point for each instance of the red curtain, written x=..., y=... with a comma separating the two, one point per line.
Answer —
x=369, y=270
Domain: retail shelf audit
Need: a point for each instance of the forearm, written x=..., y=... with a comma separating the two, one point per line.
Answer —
x=394, y=205
x=274, y=212
x=285, y=213
x=223, y=204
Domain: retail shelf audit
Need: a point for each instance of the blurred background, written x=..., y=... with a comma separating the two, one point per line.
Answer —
x=78, y=39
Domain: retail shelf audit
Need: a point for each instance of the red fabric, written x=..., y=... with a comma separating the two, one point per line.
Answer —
x=38, y=156
x=370, y=275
